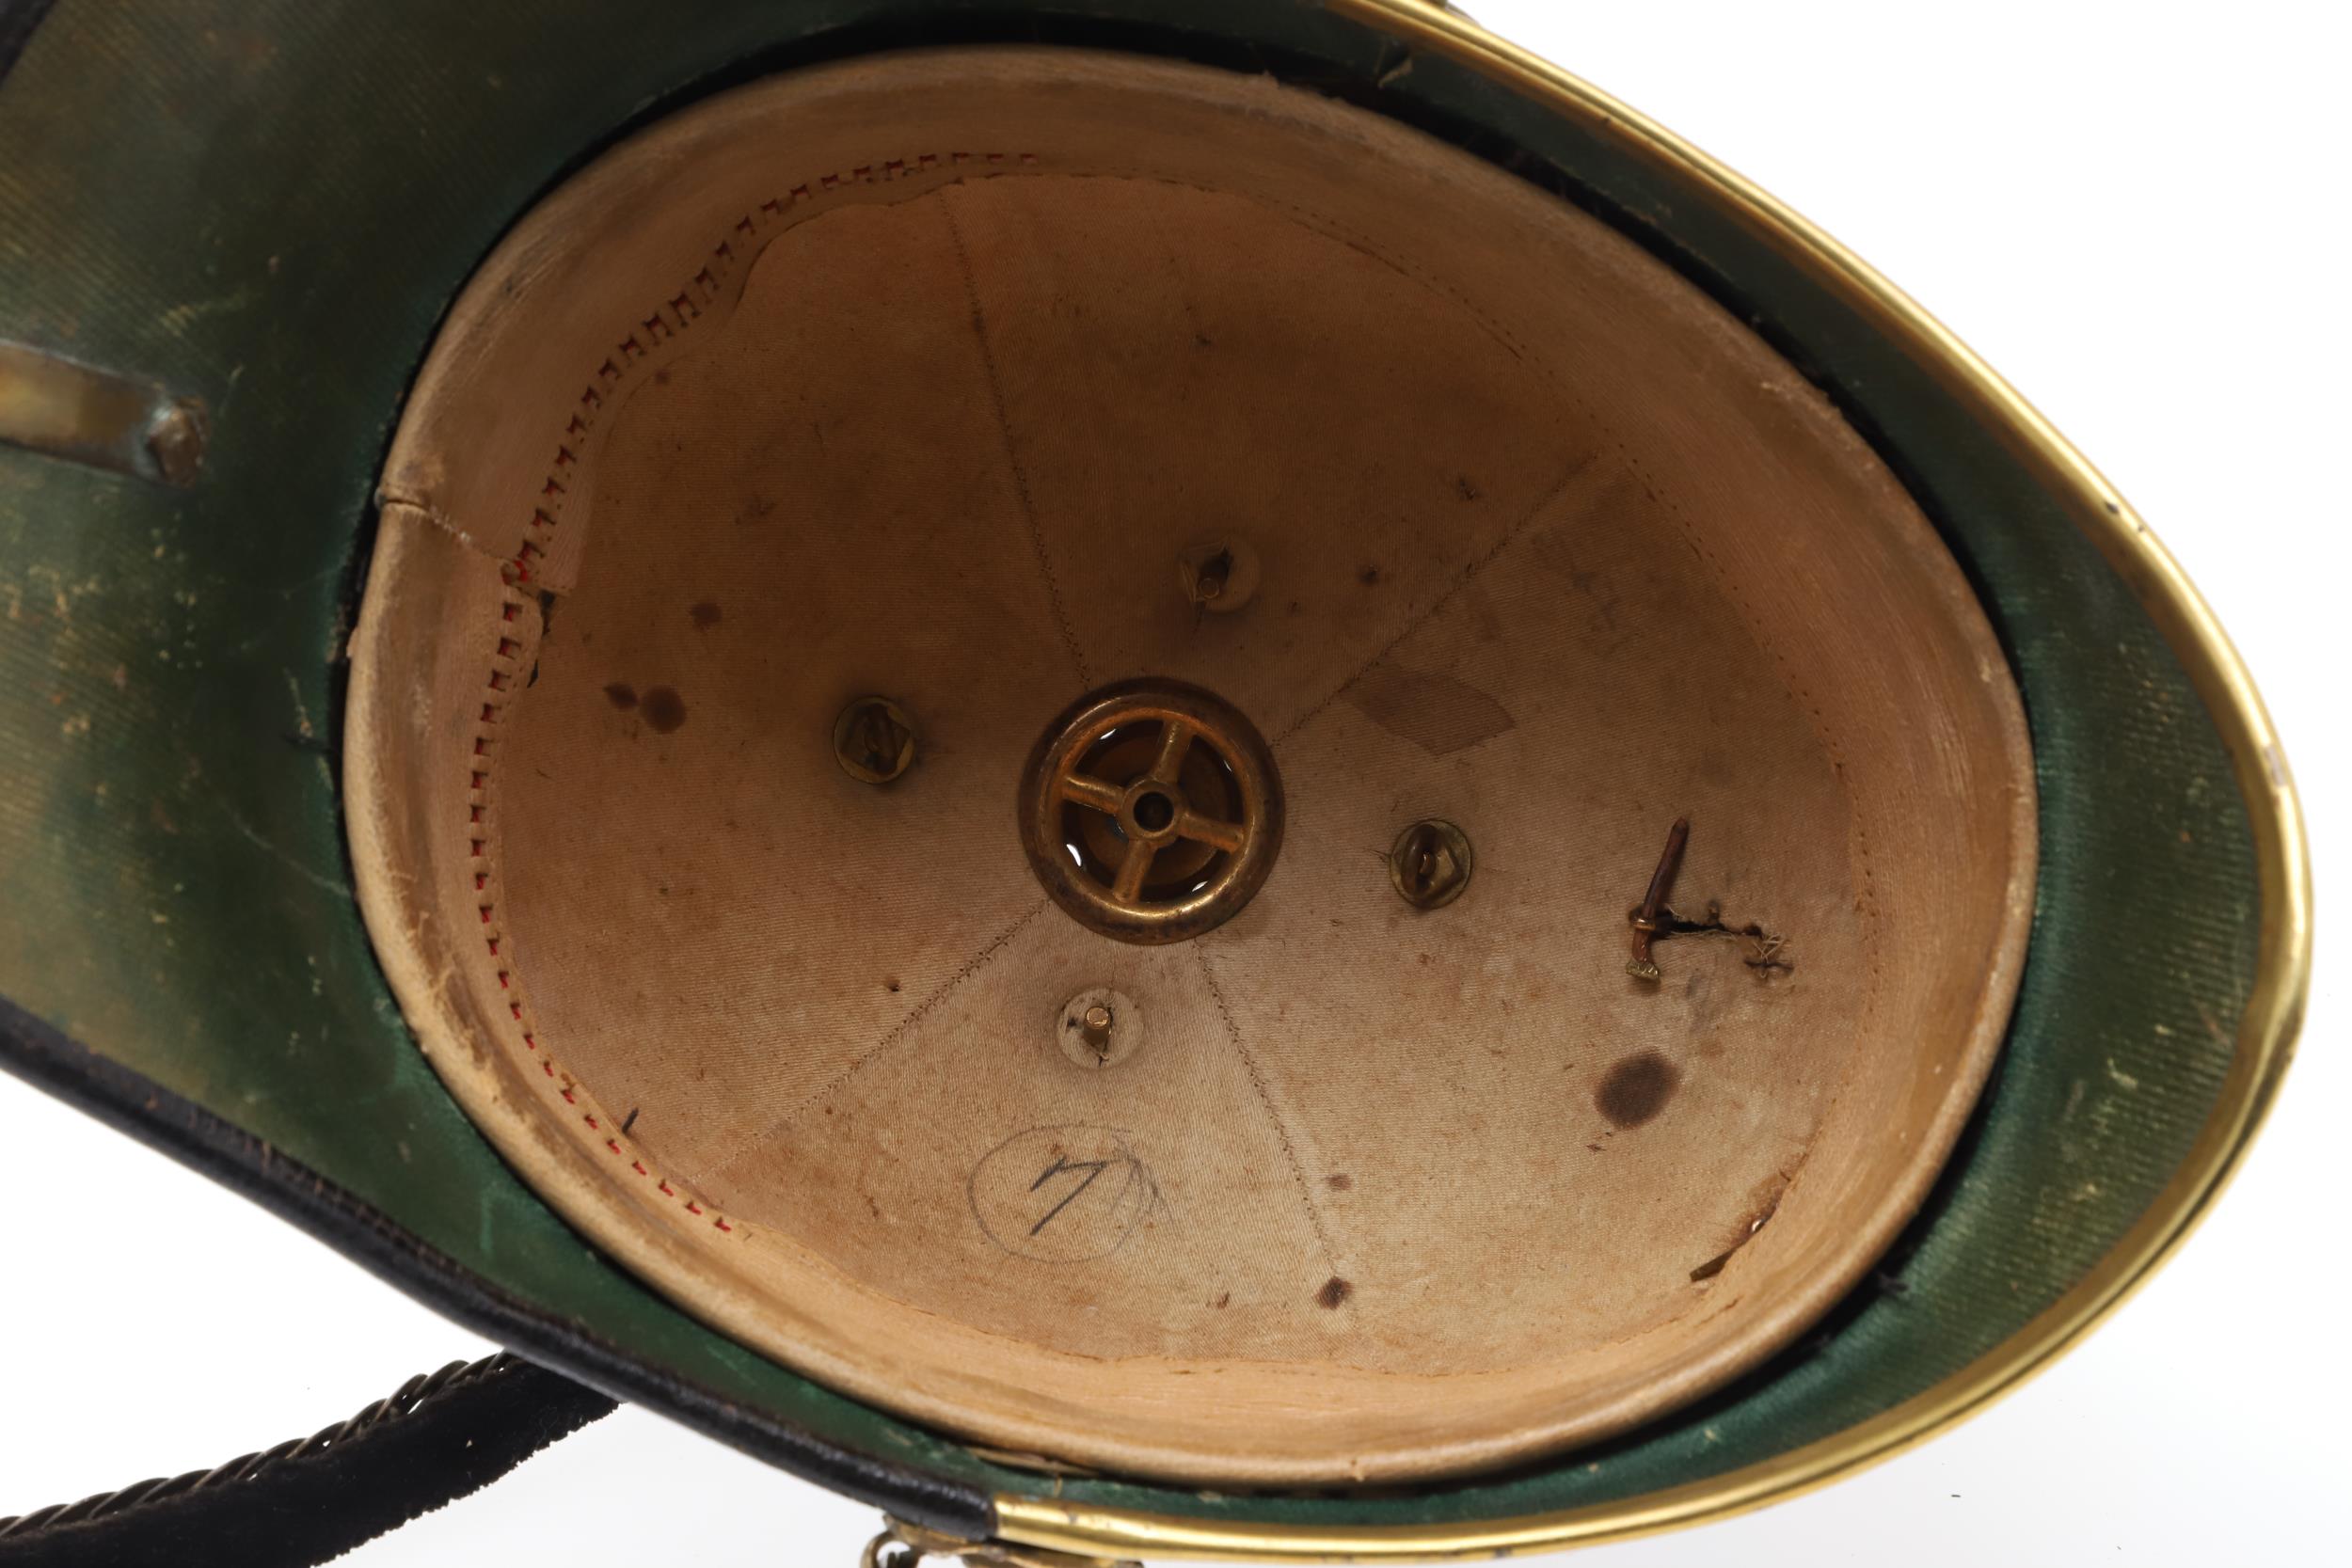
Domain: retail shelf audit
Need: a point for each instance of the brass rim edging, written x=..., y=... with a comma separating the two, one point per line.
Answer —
x=2265, y=1032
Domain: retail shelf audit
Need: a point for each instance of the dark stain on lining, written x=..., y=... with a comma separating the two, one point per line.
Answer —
x=1435, y=711
x=1339, y=1182
x=704, y=614
x=1637, y=1088
x=621, y=695
x=665, y=710
x=1335, y=1291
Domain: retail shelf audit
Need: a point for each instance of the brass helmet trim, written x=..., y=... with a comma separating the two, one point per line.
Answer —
x=1709, y=218
x=1150, y=811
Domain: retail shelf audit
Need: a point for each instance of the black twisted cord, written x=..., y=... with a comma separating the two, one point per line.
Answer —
x=418, y=1391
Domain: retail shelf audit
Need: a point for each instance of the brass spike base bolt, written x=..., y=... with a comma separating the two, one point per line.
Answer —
x=1150, y=812
x=1430, y=863
x=873, y=740
x=1094, y=1024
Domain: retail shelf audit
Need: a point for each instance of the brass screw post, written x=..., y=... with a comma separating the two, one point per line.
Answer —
x=873, y=739
x=1219, y=576
x=1645, y=919
x=1430, y=863
x=1210, y=577
x=1100, y=1028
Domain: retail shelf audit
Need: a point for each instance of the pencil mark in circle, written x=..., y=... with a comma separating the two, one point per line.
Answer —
x=1061, y=1195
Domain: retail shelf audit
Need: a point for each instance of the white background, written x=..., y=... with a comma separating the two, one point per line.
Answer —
x=2132, y=211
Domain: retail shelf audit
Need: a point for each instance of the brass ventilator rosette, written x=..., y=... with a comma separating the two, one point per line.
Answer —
x=1150, y=811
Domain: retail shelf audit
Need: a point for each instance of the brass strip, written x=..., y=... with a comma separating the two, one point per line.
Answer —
x=97, y=418
x=2266, y=1033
